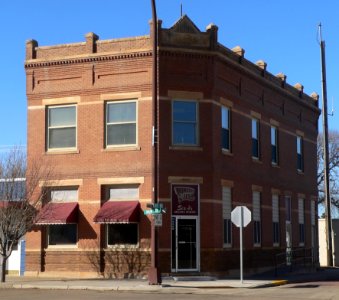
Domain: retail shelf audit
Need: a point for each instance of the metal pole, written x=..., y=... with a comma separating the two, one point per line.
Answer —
x=241, y=244
x=326, y=156
x=153, y=272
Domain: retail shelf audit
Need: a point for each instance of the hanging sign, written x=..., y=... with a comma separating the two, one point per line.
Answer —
x=185, y=199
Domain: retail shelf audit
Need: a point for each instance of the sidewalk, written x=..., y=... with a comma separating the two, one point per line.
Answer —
x=168, y=284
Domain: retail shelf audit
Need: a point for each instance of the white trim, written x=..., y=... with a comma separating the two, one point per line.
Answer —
x=108, y=102
x=48, y=127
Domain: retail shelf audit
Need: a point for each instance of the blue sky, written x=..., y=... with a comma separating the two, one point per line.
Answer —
x=283, y=33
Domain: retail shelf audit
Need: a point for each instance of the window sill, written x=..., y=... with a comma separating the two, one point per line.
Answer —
x=62, y=151
x=121, y=148
x=226, y=152
x=256, y=160
x=227, y=246
x=300, y=172
x=276, y=245
x=122, y=247
x=274, y=165
x=256, y=245
x=186, y=148
x=61, y=247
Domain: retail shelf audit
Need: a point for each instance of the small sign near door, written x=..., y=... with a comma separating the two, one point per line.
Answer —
x=185, y=200
x=157, y=220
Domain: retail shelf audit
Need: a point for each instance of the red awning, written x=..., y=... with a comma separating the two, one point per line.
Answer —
x=118, y=212
x=58, y=213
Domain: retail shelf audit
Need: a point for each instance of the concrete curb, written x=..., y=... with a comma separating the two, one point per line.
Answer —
x=272, y=284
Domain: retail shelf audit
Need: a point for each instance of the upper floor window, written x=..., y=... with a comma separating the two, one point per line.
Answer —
x=225, y=128
x=185, y=124
x=62, y=127
x=255, y=138
x=121, y=123
x=300, y=158
x=274, y=145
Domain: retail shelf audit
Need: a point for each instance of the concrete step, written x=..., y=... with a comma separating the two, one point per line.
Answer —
x=193, y=278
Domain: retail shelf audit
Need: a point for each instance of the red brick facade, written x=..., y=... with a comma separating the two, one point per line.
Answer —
x=193, y=66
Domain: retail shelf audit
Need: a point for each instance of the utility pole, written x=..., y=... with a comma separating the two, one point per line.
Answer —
x=154, y=277
x=328, y=217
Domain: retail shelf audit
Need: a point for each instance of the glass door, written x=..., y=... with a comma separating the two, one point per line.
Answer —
x=186, y=241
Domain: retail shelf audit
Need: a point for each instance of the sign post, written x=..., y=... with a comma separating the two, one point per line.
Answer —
x=241, y=217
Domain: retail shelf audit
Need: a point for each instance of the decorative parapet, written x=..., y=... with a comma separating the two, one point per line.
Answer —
x=239, y=51
x=213, y=31
x=31, y=45
x=261, y=64
x=92, y=49
x=91, y=39
x=300, y=88
x=183, y=35
x=315, y=96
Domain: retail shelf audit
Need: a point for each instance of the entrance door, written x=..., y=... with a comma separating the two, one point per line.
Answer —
x=186, y=244
x=288, y=243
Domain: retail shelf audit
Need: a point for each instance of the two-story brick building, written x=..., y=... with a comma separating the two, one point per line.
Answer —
x=230, y=133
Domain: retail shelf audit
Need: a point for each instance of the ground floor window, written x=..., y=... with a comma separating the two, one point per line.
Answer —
x=227, y=232
x=122, y=234
x=65, y=234
x=276, y=235
x=301, y=234
x=257, y=232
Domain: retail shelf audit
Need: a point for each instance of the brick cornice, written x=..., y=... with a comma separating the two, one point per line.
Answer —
x=79, y=60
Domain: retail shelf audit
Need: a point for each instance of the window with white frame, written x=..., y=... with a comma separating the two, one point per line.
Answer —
x=301, y=217
x=121, y=123
x=275, y=219
x=255, y=139
x=256, y=218
x=300, y=158
x=274, y=145
x=227, y=209
x=225, y=128
x=61, y=127
x=185, y=123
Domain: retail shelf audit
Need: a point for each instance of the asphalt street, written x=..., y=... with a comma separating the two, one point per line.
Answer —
x=302, y=291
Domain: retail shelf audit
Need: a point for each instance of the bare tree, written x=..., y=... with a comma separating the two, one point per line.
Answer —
x=333, y=168
x=20, y=197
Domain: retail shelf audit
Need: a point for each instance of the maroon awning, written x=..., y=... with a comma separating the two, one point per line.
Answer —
x=58, y=213
x=118, y=212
